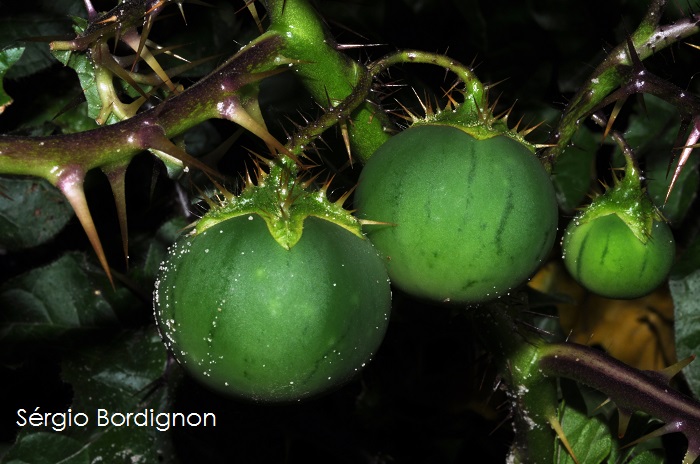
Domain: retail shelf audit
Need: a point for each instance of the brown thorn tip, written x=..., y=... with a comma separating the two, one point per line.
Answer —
x=671, y=371
x=527, y=131
x=344, y=197
x=556, y=426
x=71, y=185
x=368, y=222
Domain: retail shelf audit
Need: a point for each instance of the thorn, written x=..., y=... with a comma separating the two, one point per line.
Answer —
x=422, y=105
x=613, y=116
x=326, y=185
x=506, y=114
x=227, y=195
x=488, y=87
x=346, y=139
x=155, y=7
x=690, y=143
x=368, y=222
x=636, y=62
x=248, y=181
x=623, y=421
x=117, y=176
x=409, y=115
x=111, y=19
x=671, y=427
x=204, y=197
x=517, y=125
x=236, y=112
x=307, y=183
x=70, y=183
x=344, y=197
x=601, y=405
x=351, y=46
x=92, y=13
x=182, y=12
x=508, y=417
x=671, y=371
x=527, y=131
x=134, y=40
x=164, y=145
x=105, y=59
x=556, y=426
x=250, y=4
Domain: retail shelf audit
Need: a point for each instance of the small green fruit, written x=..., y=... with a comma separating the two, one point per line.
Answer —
x=605, y=256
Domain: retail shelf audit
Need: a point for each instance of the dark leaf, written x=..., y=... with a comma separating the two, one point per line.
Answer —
x=32, y=212
x=66, y=298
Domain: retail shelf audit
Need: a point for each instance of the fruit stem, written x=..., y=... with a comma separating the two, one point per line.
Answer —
x=475, y=102
x=632, y=172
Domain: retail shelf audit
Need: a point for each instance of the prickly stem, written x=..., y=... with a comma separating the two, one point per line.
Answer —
x=650, y=37
x=628, y=388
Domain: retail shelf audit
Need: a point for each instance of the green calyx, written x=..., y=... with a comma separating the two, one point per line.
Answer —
x=475, y=117
x=283, y=200
x=628, y=199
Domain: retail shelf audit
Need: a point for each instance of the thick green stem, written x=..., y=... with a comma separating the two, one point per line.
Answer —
x=216, y=96
x=475, y=101
x=329, y=75
x=533, y=396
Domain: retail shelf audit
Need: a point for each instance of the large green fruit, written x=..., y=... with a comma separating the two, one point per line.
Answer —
x=468, y=219
x=251, y=318
x=605, y=256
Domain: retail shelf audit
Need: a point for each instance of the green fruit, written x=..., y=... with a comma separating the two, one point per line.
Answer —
x=605, y=256
x=468, y=219
x=248, y=317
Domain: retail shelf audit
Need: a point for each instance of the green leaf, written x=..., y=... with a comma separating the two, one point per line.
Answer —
x=112, y=378
x=32, y=212
x=66, y=298
x=82, y=64
x=685, y=290
x=8, y=57
x=648, y=457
